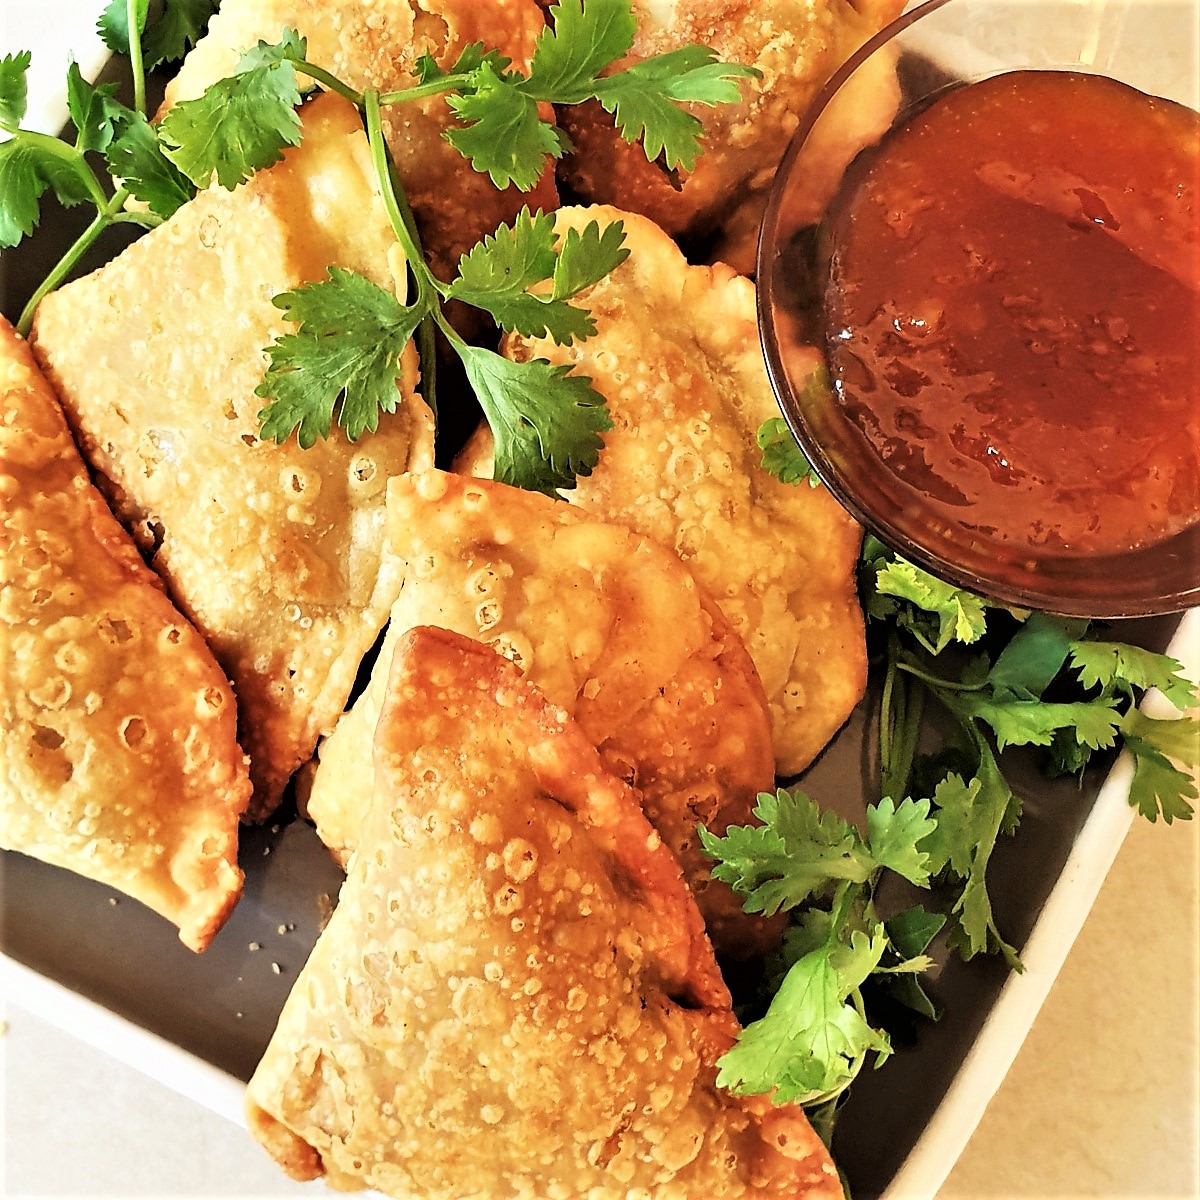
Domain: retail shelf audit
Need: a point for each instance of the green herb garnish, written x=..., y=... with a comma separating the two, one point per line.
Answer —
x=339, y=366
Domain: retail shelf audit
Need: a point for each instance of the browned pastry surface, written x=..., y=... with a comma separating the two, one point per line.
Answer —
x=376, y=43
x=274, y=552
x=795, y=44
x=118, y=751
x=610, y=626
x=676, y=355
x=514, y=996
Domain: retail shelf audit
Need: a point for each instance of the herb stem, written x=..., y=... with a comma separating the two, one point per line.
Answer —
x=106, y=215
x=136, y=62
x=404, y=225
x=329, y=81
x=144, y=219
x=933, y=681
x=443, y=83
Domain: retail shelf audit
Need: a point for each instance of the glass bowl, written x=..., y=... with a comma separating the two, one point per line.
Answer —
x=932, y=48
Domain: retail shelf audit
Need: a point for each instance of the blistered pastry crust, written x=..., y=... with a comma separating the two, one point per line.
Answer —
x=118, y=751
x=676, y=355
x=610, y=626
x=514, y=997
x=274, y=552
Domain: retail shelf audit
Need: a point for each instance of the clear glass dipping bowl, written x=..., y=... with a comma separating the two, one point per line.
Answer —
x=1149, y=44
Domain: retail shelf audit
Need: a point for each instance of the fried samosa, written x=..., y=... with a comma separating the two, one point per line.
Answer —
x=379, y=44
x=273, y=551
x=118, y=742
x=612, y=628
x=676, y=355
x=795, y=44
x=514, y=996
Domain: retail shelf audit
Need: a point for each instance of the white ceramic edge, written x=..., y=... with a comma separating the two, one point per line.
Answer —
x=994, y=1051
x=146, y=1052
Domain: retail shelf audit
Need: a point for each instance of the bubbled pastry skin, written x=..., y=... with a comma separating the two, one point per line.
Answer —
x=376, y=43
x=272, y=551
x=514, y=996
x=610, y=626
x=118, y=754
x=676, y=355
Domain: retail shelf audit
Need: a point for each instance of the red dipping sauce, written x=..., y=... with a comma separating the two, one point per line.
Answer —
x=1012, y=316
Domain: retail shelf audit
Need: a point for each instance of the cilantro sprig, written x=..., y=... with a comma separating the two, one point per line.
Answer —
x=1005, y=678
x=1047, y=683
x=340, y=364
x=815, y=1036
x=107, y=132
x=503, y=132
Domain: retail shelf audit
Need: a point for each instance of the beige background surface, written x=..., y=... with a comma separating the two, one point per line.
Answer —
x=1104, y=1099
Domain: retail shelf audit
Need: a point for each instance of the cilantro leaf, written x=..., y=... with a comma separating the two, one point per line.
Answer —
x=911, y=930
x=499, y=272
x=21, y=188
x=94, y=110
x=782, y=455
x=814, y=1038
x=242, y=123
x=791, y=856
x=1118, y=664
x=545, y=421
x=30, y=165
x=179, y=25
x=1158, y=785
x=136, y=157
x=1034, y=722
x=910, y=933
x=113, y=24
x=344, y=356
x=798, y=850
x=644, y=100
x=502, y=133
x=970, y=818
x=960, y=615
x=14, y=89
x=585, y=257
x=176, y=25
x=578, y=43
x=1034, y=656
x=894, y=833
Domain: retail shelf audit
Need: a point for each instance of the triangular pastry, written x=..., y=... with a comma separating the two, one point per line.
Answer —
x=274, y=552
x=514, y=996
x=610, y=626
x=118, y=750
x=676, y=355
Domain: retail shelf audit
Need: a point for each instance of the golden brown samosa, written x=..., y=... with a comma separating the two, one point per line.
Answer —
x=676, y=355
x=514, y=996
x=378, y=44
x=118, y=744
x=610, y=626
x=274, y=552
